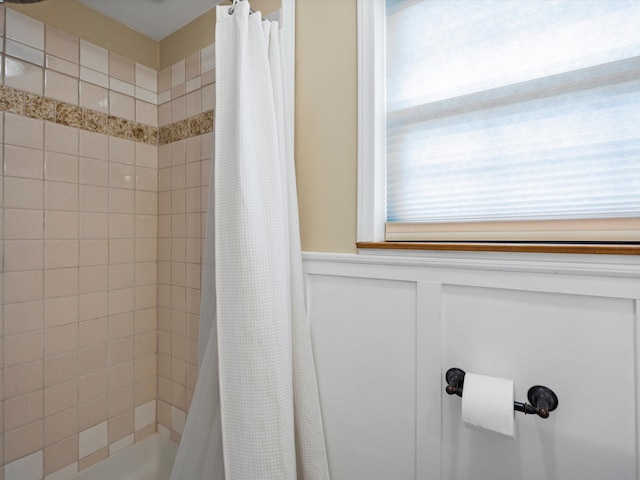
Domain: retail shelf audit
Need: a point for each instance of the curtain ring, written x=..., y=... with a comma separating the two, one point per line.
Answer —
x=233, y=7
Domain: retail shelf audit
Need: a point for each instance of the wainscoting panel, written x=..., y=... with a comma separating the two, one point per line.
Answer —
x=364, y=333
x=385, y=330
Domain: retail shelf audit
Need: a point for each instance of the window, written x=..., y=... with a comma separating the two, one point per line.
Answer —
x=507, y=120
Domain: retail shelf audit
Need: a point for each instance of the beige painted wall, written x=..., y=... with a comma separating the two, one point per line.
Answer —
x=326, y=123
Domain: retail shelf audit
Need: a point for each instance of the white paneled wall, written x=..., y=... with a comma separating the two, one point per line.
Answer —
x=386, y=329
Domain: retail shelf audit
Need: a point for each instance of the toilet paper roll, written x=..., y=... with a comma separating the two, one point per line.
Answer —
x=487, y=403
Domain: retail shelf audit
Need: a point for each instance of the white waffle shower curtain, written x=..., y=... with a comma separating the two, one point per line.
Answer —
x=255, y=411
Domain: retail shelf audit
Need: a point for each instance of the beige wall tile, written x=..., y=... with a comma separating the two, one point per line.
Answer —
x=121, y=301
x=23, y=224
x=61, y=340
x=93, y=359
x=121, y=225
x=62, y=45
x=121, y=150
x=94, y=145
x=94, y=57
x=121, y=276
x=94, y=199
x=146, y=179
x=164, y=389
x=60, y=254
x=121, y=376
x=121, y=326
x=94, y=279
x=92, y=386
x=178, y=371
x=23, y=441
x=178, y=396
x=93, y=332
x=92, y=459
x=23, y=379
x=60, y=369
x=146, y=273
x=25, y=29
x=146, y=203
x=94, y=97
x=121, y=426
x=60, y=138
x=146, y=343
x=23, y=193
x=146, y=390
x=121, y=251
x=23, y=348
x=23, y=162
x=92, y=412
x=146, y=113
x=121, y=351
x=23, y=255
x=145, y=432
x=60, y=426
x=122, y=106
x=61, y=454
x=93, y=305
x=193, y=104
x=61, y=167
x=23, y=410
x=146, y=250
x=60, y=311
x=94, y=225
x=61, y=196
x=94, y=172
x=60, y=225
x=121, y=175
x=192, y=352
x=23, y=76
x=23, y=317
x=61, y=397
x=61, y=282
x=164, y=364
x=23, y=131
x=163, y=412
x=62, y=66
x=121, y=401
x=121, y=200
x=94, y=252
x=61, y=87
x=145, y=367
x=145, y=297
x=146, y=320
x=191, y=376
x=121, y=68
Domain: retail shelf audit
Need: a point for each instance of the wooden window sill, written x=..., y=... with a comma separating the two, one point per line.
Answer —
x=577, y=248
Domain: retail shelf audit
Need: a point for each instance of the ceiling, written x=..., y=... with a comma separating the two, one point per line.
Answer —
x=154, y=18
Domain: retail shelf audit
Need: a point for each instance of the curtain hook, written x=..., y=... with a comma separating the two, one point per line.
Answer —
x=233, y=7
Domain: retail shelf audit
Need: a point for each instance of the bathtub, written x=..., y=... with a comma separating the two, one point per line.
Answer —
x=150, y=459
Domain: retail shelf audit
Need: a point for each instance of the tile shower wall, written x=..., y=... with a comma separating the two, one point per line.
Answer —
x=79, y=240
x=104, y=192
x=186, y=100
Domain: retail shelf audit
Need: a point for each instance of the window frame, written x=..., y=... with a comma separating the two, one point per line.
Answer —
x=371, y=187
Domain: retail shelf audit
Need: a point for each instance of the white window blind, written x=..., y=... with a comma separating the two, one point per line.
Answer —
x=505, y=111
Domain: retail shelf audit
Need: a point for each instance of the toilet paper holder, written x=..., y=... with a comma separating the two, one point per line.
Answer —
x=542, y=399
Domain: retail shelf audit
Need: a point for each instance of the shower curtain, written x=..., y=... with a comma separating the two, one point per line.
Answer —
x=255, y=411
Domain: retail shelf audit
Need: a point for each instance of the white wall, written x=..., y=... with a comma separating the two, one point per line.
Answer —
x=385, y=329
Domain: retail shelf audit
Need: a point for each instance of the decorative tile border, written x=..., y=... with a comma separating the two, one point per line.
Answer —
x=36, y=106
x=187, y=128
